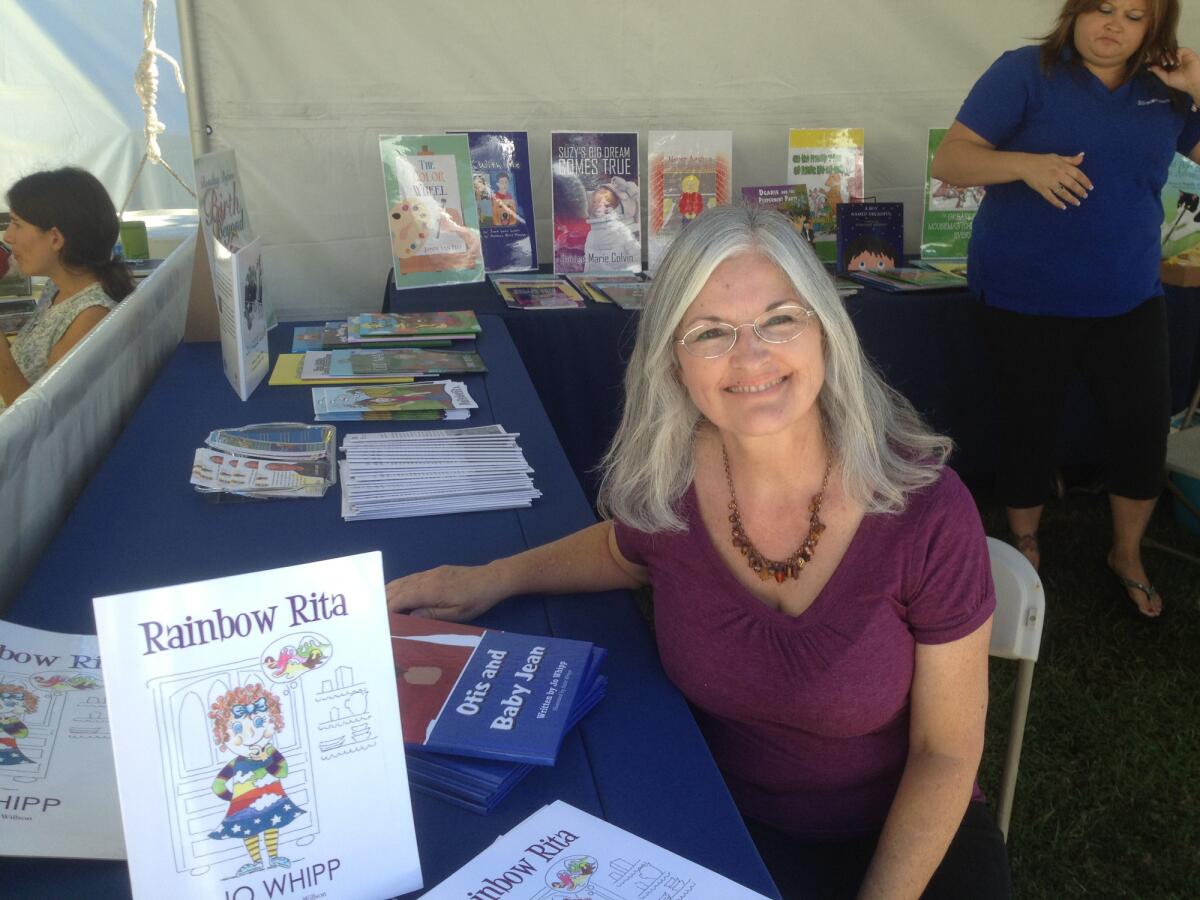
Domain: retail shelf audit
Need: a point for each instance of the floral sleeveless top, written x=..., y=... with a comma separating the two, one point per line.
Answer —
x=33, y=343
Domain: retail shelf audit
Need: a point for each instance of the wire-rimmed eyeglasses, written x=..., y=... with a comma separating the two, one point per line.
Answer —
x=708, y=340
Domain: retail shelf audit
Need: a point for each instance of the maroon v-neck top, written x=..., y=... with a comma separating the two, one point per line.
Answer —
x=807, y=716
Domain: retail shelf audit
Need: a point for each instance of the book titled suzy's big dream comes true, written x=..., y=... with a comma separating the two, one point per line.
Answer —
x=597, y=202
x=432, y=216
x=257, y=736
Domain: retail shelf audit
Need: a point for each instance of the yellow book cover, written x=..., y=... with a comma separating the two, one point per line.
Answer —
x=829, y=162
x=288, y=366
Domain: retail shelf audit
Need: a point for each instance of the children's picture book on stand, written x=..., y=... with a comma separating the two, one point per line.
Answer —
x=272, y=460
x=949, y=210
x=537, y=291
x=688, y=172
x=58, y=787
x=257, y=735
x=428, y=400
x=829, y=162
x=240, y=288
x=789, y=199
x=596, y=201
x=870, y=236
x=504, y=197
x=224, y=218
x=489, y=694
x=561, y=852
x=432, y=217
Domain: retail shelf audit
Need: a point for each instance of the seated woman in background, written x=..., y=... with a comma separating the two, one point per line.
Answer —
x=802, y=535
x=64, y=227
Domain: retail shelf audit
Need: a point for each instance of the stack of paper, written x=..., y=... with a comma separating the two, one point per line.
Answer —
x=423, y=473
x=375, y=330
x=561, y=852
x=429, y=400
x=482, y=707
x=280, y=459
x=412, y=362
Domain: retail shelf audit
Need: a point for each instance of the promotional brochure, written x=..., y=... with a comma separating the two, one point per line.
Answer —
x=504, y=197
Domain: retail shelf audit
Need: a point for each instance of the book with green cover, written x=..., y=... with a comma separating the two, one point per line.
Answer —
x=432, y=217
x=413, y=362
x=949, y=211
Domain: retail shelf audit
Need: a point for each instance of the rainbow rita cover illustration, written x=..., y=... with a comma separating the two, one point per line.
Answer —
x=56, y=767
x=597, y=202
x=251, y=716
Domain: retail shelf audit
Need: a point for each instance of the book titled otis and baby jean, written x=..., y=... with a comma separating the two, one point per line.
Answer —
x=240, y=723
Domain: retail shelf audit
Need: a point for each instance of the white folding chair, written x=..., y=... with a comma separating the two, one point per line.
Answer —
x=1016, y=634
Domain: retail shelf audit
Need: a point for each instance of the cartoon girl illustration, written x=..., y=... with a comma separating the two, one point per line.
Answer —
x=691, y=204
x=245, y=720
x=15, y=703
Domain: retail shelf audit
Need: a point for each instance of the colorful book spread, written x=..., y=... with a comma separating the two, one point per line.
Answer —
x=789, y=199
x=434, y=224
x=489, y=694
x=829, y=162
x=949, y=211
x=561, y=852
x=870, y=236
x=428, y=400
x=58, y=787
x=689, y=171
x=373, y=325
x=626, y=294
x=274, y=460
x=596, y=202
x=584, y=283
x=536, y=291
x=289, y=369
x=247, y=715
x=337, y=336
x=415, y=362
x=909, y=280
x=504, y=197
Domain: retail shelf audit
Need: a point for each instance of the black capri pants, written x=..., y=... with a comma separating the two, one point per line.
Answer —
x=1123, y=360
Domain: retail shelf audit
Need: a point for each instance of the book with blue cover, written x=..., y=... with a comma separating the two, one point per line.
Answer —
x=504, y=197
x=870, y=237
x=489, y=694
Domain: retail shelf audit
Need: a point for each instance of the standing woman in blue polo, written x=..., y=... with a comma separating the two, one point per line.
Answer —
x=1073, y=138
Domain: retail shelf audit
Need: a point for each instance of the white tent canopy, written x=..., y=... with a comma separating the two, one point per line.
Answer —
x=302, y=89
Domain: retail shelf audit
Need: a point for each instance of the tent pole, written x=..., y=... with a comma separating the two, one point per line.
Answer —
x=197, y=113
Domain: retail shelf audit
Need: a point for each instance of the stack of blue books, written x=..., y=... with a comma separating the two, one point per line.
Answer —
x=480, y=707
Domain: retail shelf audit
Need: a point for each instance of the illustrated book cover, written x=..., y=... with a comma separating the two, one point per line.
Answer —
x=414, y=362
x=432, y=218
x=537, y=291
x=257, y=735
x=431, y=324
x=949, y=210
x=561, y=852
x=688, y=172
x=596, y=201
x=240, y=288
x=829, y=162
x=13, y=283
x=428, y=400
x=909, y=279
x=490, y=694
x=57, y=779
x=289, y=368
x=870, y=237
x=503, y=194
x=789, y=199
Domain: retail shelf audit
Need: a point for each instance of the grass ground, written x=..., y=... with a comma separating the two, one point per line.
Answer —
x=1108, y=799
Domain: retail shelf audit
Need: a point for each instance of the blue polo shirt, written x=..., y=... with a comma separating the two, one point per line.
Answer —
x=1102, y=257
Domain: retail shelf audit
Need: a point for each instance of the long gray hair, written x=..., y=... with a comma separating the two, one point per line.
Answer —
x=884, y=448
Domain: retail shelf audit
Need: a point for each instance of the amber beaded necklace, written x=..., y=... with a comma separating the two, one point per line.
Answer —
x=791, y=567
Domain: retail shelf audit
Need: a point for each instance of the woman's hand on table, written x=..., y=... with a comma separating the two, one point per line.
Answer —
x=449, y=593
x=1058, y=179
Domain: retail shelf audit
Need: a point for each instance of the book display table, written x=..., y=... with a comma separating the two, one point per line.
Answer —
x=637, y=760
x=927, y=345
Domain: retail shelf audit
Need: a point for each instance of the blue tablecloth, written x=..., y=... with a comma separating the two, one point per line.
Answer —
x=927, y=346
x=638, y=760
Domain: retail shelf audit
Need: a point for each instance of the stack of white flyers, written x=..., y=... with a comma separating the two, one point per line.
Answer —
x=57, y=782
x=424, y=473
x=560, y=852
x=257, y=737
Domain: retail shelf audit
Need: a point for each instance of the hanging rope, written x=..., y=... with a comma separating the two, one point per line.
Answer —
x=145, y=84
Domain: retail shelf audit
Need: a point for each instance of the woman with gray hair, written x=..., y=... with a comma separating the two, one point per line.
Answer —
x=822, y=592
